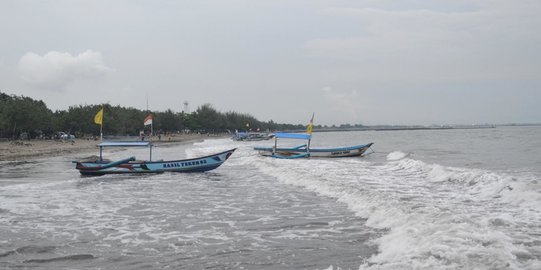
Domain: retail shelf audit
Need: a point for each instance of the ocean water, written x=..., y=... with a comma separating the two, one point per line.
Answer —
x=425, y=199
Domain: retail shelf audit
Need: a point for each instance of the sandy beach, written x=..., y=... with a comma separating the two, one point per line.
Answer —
x=17, y=150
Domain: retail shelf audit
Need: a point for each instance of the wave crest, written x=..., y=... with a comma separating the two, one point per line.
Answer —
x=434, y=215
x=397, y=155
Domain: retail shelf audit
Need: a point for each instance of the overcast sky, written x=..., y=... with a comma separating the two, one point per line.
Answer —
x=369, y=62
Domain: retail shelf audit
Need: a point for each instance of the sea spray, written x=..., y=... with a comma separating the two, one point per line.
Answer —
x=397, y=155
x=436, y=216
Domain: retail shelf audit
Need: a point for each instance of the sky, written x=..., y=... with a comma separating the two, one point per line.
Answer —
x=404, y=62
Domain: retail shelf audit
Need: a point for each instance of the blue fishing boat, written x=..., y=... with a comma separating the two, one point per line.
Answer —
x=132, y=165
x=305, y=151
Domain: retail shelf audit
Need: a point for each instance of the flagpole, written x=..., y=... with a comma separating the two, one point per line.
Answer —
x=151, y=123
x=101, y=126
x=151, y=131
x=311, y=124
x=98, y=119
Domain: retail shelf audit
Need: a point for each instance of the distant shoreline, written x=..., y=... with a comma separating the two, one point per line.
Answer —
x=31, y=149
x=399, y=128
x=377, y=128
x=391, y=128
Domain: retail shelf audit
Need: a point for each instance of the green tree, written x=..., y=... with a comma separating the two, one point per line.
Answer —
x=22, y=114
x=19, y=113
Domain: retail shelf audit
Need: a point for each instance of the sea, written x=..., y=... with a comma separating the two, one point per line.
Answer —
x=420, y=199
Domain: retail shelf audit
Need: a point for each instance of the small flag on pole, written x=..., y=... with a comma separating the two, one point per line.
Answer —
x=148, y=120
x=310, y=126
x=98, y=119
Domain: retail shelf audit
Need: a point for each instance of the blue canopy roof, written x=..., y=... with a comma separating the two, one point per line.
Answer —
x=124, y=144
x=302, y=136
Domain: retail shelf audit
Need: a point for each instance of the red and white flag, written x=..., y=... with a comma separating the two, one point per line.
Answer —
x=148, y=120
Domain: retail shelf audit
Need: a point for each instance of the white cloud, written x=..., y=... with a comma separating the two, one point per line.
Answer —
x=423, y=45
x=343, y=104
x=56, y=70
x=404, y=58
x=327, y=89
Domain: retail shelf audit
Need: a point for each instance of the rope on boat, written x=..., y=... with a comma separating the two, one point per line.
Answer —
x=371, y=152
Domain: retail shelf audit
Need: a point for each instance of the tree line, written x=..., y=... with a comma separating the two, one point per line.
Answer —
x=20, y=114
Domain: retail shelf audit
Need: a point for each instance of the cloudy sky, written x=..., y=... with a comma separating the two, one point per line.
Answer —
x=358, y=61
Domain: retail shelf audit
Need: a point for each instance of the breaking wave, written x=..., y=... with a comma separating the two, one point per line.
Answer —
x=397, y=155
x=433, y=216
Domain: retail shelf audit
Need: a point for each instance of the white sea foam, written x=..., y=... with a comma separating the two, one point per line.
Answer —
x=396, y=155
x=436, y=216
x=425, y=216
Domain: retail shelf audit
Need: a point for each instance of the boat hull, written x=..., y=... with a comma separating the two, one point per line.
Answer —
x=200, y=164
x=300, y=152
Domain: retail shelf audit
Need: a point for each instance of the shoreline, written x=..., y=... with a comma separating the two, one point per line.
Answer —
x=17, y=150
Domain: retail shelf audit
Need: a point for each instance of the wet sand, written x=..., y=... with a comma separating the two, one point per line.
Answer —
x=17, y=150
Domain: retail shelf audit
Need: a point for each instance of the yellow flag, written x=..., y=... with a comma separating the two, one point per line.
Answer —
x=98, y=119
x=310, y=126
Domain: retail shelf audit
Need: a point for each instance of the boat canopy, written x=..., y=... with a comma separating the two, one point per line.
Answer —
x=302, y=136
x=124, y=144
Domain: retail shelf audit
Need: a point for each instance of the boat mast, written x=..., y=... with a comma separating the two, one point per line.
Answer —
x=151, y=133
x=309, y=130
x=101, y=126
x=275, y=145
x=98, y=119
